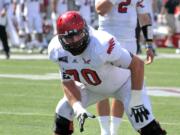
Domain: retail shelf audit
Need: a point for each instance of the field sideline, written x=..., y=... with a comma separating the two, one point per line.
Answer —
x=30, y=90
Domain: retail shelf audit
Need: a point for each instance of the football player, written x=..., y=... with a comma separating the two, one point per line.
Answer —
x=93, y=66
x=32, y=14
x=119, y=17
x=4, y=4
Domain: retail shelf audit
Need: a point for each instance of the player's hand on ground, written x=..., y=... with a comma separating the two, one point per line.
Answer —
x=81, y=114
x=81, y=119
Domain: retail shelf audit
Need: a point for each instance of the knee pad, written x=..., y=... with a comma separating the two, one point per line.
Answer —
x=153, y=128
x=62, y=125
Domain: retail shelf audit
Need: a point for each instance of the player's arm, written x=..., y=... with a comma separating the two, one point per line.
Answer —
x=122, y=58
x=71, y=91
x=145, y=20
x=137, y=73
x=135, y=65
x=146, y=27
x=136, y=107
x=74, y=97
x=103, y=6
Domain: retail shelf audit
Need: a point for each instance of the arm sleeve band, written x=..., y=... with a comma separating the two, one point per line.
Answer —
x=147, y=32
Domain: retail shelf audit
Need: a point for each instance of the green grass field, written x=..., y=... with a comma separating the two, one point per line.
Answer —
x=27, y=106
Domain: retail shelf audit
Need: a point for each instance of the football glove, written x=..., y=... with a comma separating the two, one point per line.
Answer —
x=81, y=119
x=81, y=114
x=137, y=108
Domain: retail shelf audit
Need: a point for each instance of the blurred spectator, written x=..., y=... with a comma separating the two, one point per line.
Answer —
x=3, y=21
x=177, y=18
x=169, y=10
x=177, y=22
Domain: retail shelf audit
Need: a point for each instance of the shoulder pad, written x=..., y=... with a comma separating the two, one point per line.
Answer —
x=108, y=46
x=54, y=49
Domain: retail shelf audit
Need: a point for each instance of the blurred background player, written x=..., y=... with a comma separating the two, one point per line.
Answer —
x=85, y=7
x=58, y=7
x=120, y=18
x=153, y=10
x=19, y=24
x=32, y=10
x=169, y=10
x=13, y=26
x=3, y=23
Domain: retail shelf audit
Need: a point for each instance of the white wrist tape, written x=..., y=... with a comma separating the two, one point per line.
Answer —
x=136, y=98
x=78, y=108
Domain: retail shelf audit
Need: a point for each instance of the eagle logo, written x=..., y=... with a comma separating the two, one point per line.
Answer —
x=111, y=46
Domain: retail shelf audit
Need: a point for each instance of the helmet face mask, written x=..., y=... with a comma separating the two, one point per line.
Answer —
x=73, y=32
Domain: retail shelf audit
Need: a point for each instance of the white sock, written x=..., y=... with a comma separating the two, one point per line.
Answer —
x=115, y=122
x=104, y=122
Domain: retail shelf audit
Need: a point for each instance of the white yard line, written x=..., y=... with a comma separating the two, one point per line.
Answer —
x=49, y=76
x=25, y=114
x=44, y=57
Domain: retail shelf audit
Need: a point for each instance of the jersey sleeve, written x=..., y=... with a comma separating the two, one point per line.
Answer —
x=111, y=51
x=142, y=6
x=54, y=48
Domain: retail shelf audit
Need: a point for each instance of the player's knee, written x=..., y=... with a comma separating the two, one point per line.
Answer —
x=63, y=126
x=152, y=128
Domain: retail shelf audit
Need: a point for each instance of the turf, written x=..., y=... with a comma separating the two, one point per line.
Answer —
x=27, y=106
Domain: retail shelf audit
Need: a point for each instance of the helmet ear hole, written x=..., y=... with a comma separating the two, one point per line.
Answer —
x=70, y=24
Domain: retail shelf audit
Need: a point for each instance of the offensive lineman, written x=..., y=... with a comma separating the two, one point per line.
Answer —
x=119, y=17
x=89, y=60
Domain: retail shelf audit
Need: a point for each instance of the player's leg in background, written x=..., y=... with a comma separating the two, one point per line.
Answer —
x=117, y=111
x=4, y=39
x=109, y=122
x=103, y=111
x=138, y=31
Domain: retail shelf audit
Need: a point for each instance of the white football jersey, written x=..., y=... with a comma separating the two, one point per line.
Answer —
x=121, y=21
x=94, y=66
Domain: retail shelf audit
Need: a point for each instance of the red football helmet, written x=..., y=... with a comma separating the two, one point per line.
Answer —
x=72, y=32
